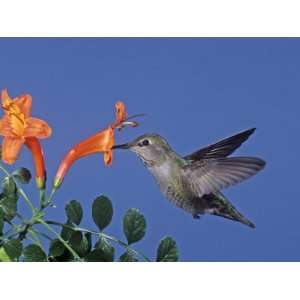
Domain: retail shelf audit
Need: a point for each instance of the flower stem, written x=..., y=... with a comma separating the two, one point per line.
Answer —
x=42, y=197
x=75, y=255
x=126, y=246
x=4, y=171
x=49, y=200
x=27, y=200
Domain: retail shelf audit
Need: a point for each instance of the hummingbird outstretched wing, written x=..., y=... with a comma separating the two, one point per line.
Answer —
x=222, y=148
x=212, y=175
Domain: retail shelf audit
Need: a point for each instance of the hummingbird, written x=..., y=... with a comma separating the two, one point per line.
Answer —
x=194, y=182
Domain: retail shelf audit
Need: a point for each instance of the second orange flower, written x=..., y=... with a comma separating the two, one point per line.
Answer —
x=102, y=142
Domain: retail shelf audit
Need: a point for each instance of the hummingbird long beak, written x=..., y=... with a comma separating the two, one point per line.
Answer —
x=122, y=146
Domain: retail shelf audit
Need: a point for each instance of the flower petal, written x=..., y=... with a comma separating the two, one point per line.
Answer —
x=102, y=141
x=121, y=114
x=108, y=157
x=37, y=128
x=10, y=149
x=4, y=97
x=24, y=102
x=5, y=128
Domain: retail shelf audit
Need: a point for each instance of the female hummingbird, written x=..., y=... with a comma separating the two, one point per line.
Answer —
x=193, y=182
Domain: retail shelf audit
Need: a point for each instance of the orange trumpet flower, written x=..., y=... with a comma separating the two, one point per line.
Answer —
x=18, y=128
x=102, y=142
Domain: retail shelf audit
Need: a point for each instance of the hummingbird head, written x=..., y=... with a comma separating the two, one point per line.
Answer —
x=151, y=148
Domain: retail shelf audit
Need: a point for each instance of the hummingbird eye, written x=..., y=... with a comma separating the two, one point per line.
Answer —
x=144, y=143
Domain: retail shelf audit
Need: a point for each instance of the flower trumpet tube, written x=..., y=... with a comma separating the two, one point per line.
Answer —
x=18, y=127
x=101, y=142
x=35, y=147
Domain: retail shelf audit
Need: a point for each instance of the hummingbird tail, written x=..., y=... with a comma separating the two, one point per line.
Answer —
x=221, y=207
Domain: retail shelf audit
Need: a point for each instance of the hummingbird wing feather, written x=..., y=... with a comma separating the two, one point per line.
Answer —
x=222, y=148
x=213, y=175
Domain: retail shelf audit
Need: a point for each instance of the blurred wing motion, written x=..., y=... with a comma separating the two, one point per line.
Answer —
x=212, y=175
x=223, y=148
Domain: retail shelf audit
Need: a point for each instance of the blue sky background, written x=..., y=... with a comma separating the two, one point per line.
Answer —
x=195, y=91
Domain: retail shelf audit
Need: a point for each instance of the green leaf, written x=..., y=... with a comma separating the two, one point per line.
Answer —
x=66, y=256
x=13, y=248
x=67, y=232
x=1, y=221
x=56, y=248
x=74, y=212
x=127, y=257
x=108, y=250
x=85, y=245
x=8, y=205
x=9, y=186
x=134, y=225
x=23, y=175
x=9, y=198
x=81, y=243
x=3, y=256
x=167, y=250
x=102, y=212
x=75, y=239
x=96, y=255
x=34, y=253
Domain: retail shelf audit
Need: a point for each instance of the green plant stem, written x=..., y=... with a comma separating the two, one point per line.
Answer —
x=75, y=255
x=49, y=201
x=104, y=235
x=112, y=238
x=51, y=195
x=4, y=171
x=42, y=198
x=35, y=212
x=23, y=194
x=37, y=219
